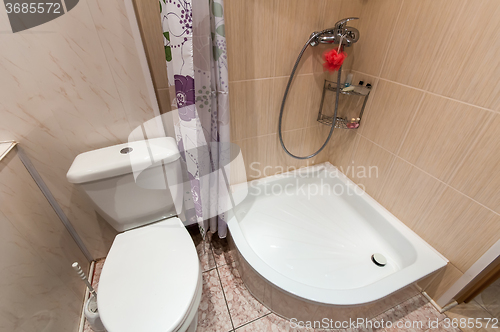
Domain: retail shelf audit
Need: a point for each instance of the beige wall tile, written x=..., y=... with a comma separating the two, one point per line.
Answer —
x=164, y=102
x=297, y=19
x=419, y=34
x=302, y=104
x=390, y=112
x=342, y=145
x=251, y=38
x=278, y=160
x=371, y=166
x=444, y=280
x=238, y=168
x=313, y=140
x=410, y=193
x=441, y=135
x=339, y=9
x=376, y=26
x=250, y=109
x=263, y=156
x=253, y=151
x=148, y=17
x=459, y=228
x=468, y=65
x=478, y=176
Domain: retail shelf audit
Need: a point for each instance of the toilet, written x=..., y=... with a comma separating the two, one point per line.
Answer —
x=151, y=279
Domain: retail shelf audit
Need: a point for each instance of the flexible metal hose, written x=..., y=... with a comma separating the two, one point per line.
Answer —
x=337, y=94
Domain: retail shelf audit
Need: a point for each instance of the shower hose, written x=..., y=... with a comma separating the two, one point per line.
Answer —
x=286, y=94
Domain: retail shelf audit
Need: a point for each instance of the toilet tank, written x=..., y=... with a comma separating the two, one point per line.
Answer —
x=131, y=184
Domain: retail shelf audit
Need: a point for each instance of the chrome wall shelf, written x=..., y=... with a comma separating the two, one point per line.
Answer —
x=351, y=104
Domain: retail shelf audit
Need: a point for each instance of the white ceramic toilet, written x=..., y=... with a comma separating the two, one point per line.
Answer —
x=151, y=279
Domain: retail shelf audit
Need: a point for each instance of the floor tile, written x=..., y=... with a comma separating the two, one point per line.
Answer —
x=221, y=251
x=444, y=327
x=97, y=273
x=95, y=283
x=204, y=249
x=243, y=307
x=489, y=299
x=271, y=323
x=412, y=315
x=212, y=313
x=473, y=310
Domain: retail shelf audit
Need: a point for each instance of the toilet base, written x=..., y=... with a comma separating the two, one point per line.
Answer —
x=193, y=325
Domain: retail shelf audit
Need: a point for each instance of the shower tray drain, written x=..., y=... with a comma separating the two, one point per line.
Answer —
x=379, y=260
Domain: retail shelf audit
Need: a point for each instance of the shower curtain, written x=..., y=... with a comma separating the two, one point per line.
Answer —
x=196, y=59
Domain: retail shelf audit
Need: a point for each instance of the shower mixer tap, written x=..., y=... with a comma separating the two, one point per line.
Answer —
x=340, y=33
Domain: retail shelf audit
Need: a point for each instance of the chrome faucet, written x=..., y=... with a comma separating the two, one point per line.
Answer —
x=340, y=33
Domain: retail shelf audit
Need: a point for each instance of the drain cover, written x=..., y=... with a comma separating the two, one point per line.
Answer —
x=379, y=259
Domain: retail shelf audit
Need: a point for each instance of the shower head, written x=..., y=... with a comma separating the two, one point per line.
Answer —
x=340, y=33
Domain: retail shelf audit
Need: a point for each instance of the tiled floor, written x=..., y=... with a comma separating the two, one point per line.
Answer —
x=485, y=305
x=226, y=305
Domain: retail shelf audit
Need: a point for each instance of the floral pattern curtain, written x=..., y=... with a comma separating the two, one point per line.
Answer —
x=196, y=59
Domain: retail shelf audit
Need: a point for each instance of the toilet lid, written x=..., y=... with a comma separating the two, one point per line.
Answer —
x=149, y=279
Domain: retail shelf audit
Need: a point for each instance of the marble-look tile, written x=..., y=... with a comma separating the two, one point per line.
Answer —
x=443, y=326
x=204, y=250
x=34, y=297
x=243, y=307
x=398, y=312
x=213, y=314
x=412, y=315
x=221, y=251
x=272, y=323
x=256, y=285
x=82, y=100
x=489, y=299
x=469, y=310
x=95, y=283
x=99, y=264
x=28, y=210
x=119, y=48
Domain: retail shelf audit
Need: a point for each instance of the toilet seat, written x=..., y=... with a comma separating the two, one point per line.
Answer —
x=151, y=280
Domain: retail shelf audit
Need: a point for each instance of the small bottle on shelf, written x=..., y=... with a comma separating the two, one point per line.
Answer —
x=353, y=124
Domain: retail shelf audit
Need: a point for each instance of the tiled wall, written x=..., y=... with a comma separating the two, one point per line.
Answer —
x=264, y=39
x=432, y=125
x=40, y=291
x=148, y=17
x=69, y=86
